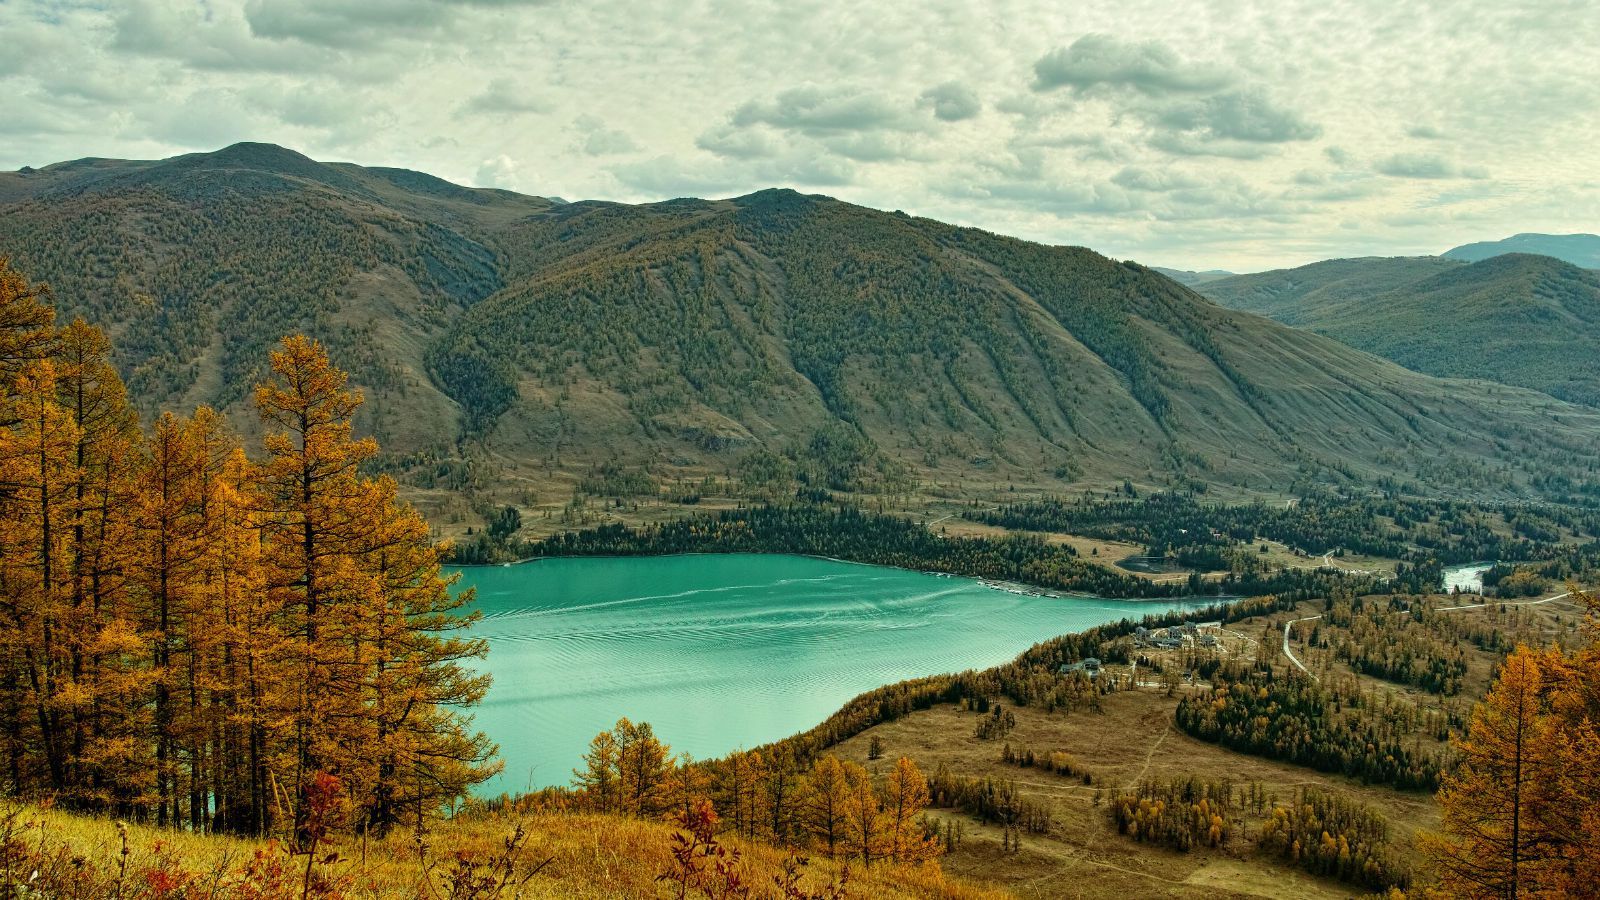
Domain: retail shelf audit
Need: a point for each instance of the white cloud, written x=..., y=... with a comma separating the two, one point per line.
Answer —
x=951, y=101
x=499, y=172
x=1426, y=166
x=507, y=96
x=1233, y=136
x=596, y=139
x=1101, y=60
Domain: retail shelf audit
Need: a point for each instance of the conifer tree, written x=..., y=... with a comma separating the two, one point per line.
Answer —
x=905, y=796
x=685, y=785
x=824, y=803
x=641, y=769
x=597, y=780
x=315, y=519
x=1491, y=804
x=192, y=638
x=864, y=834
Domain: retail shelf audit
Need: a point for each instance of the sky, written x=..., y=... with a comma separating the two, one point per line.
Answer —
x=1194, y=134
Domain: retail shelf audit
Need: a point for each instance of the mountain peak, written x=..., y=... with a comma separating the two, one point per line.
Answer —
x=253, y=155
x=777, y=198
x=1578, y=249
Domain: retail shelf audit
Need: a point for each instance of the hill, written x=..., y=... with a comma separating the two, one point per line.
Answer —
x=1518, y=319
x=519, y=349
x=1190, y=279
x=1579, y=249
x=1297, y=296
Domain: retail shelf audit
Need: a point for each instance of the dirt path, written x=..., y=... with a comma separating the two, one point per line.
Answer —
x=1561, y=596
x=1150, y=755
x=1290, y=653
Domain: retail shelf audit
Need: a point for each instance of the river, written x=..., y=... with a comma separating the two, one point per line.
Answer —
x=722, y=651
x=1468, y=578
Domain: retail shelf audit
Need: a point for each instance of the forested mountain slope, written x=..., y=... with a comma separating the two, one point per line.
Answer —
x=198, y=263
x=1519, y=319
x=771, y=338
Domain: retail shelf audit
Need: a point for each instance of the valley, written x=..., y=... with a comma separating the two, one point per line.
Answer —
x=1036, y=563
x=583, y=361
x=521, y=450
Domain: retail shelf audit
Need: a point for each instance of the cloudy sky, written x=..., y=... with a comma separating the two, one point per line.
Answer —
x=1192, y=134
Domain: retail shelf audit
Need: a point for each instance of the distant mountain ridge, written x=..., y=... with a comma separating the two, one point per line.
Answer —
x=516, y=347
x=1520, y=319
x=1581, y=250
x=1190, y=279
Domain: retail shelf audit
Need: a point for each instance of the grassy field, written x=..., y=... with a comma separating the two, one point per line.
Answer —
x=576, y=857
x=1133, y=738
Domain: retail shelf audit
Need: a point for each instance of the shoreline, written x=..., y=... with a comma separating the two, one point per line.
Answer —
x=1008, y=587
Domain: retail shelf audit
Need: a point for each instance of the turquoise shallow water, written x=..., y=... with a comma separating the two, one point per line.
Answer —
x=725, y=651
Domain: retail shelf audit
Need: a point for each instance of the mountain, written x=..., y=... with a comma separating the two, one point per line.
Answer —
x=1296, y=296
x=1519, y=319
x=1190, y=279
x=196, y=264
x=520, y=349
x=1579, y=249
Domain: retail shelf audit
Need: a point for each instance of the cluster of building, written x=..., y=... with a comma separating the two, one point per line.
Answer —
x=1175, y=637
x=1091, y=667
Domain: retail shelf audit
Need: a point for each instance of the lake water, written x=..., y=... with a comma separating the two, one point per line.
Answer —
x=721, y=651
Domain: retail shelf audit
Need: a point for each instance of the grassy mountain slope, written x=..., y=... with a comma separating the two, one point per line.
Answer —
x=1297, y=296
x=1579, y=249
x=514, y=344
x=1519, y=319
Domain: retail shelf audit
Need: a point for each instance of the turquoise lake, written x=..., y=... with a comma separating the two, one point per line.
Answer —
x=718, y=652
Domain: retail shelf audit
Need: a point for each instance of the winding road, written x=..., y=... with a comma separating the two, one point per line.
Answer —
x=1290, y=653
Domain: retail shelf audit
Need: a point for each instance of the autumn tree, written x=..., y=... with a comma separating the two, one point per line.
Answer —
x=314, y=520
x=865, y=838
x=415, y=669
x=27, y=324
x=739, y=779
x=905, y=796
x=824, y=803
x=685, y=785
x=192, y=638
x=597, y=779
x=642, y=764
x=780, y=793
x=1496, y=806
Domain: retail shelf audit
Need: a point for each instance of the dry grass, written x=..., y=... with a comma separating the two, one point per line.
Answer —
x=1132, y=738
x=589, y=857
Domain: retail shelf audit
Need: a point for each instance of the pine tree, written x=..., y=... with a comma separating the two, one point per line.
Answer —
x=27, y=325
x=315, y=520
x=641, y=769
x=685, y=785
x=170, y=548
x=905, y=796
x=597, y=780
x=414, y=670
x=1491, y=803
x=823, y=803
x=864, y=833
x=191, y=638
x=780, y=791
